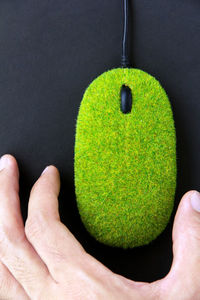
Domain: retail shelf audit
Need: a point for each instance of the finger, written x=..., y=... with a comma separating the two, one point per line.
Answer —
x=186, y=241
x=50, y=238
x=16, y=252
x=44, y=194
x=9, y=286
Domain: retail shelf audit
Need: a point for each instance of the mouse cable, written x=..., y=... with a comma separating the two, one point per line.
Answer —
x=124, y=58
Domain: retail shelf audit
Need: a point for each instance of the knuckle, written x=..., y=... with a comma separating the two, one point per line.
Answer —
x=59, y=258
x=36, y=224
x=10, y=235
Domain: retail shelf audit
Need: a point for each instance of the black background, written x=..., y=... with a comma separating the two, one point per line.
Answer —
x=49, y=53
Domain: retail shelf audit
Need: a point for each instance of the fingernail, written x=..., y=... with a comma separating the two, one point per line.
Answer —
x=45, y=170
x=195, y=201
x=4, y=162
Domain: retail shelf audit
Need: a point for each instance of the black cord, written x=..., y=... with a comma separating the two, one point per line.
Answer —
x=125, y=60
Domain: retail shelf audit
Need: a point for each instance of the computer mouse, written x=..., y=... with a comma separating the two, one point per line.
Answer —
x=125, y=162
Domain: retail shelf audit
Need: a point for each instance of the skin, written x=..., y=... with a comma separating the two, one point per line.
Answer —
x=43, y=260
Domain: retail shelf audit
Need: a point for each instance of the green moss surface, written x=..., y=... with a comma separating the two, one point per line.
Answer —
x=125, y=164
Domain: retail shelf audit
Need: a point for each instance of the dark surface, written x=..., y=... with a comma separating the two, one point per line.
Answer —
x=49, y=53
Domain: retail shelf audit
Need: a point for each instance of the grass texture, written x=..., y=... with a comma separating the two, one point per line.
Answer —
x=125, y=164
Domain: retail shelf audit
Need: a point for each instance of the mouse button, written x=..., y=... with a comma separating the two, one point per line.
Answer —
x=126, y=99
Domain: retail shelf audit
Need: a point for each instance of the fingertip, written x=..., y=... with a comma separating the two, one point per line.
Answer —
x=190, y=193
x=44, y=194
x=187, y=195
x=49, y=180
x=187, y=215
x=183, y=214
x=50, y=168
x=8, y=159
x=186, y=232
x=9, y=162
x=185, y=201
x=45, y=170
x=195, y=201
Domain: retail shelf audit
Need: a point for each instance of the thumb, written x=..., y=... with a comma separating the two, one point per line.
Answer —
x=186, y=241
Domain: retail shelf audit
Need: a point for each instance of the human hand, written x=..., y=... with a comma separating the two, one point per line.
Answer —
x=43, y=260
